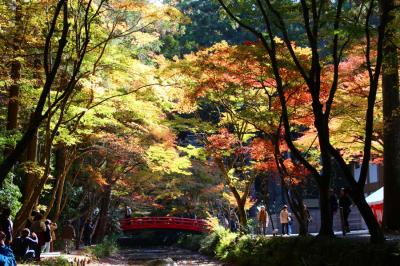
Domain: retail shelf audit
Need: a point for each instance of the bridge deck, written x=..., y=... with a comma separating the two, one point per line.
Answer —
x=186, y=224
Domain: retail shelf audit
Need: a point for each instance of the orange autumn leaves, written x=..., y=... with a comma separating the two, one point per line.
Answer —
x=259, y=151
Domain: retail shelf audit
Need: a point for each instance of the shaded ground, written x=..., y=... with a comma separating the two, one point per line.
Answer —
x=159, y=256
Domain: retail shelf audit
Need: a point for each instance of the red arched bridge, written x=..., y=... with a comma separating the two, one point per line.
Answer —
x=185, y=224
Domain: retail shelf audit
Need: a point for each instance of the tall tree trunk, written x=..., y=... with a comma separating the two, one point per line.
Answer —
x=375, y=231
x=242, y=214
x=296, y=204
x=325, y=209
x=391, y=117
x=13, y=102
x=101, y=228
x=60, y=169
x=30, y=178
x=15, y=74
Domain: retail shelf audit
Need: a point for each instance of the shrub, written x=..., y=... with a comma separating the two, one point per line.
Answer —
x=190, y=241
x=217, y=242
x=57, y=261
x=312, y=251
x=106, y=248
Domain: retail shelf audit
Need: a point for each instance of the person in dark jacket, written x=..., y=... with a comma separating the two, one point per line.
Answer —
x=6, y=254
x=68, y=235
x=39, y=228
x=87, y=233
x=345, y=204
x=47, y=237
x=25, y=246
x=6, y=225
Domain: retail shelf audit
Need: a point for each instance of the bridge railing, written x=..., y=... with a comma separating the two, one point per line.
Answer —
x=188, y=224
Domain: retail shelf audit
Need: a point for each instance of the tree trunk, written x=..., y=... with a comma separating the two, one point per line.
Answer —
x=375, y=231
x=242, y=214
x=101, y=228
x=60, y=169
x=13, y=102
x=15, y=74
x=30, y=179
x=391, y=117
x=325, y=209
x=296, y=204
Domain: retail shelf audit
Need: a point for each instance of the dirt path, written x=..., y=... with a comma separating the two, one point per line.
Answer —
x=160, y=256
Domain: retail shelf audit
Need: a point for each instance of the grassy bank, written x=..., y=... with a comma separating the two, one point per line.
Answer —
x=293, y=251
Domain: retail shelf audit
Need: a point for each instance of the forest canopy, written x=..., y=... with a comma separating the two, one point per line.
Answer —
x=179, y=108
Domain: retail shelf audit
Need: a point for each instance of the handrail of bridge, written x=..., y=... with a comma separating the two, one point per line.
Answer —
x=188, y=224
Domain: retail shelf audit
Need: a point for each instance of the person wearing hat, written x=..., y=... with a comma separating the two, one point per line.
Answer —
x=284, y=219
x=263, y=220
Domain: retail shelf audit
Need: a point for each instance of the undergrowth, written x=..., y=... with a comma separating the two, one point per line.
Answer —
x=108, y=247
x=57, y=261
x=296, y=251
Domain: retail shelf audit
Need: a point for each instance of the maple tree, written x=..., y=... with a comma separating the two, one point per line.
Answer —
x=312, y=72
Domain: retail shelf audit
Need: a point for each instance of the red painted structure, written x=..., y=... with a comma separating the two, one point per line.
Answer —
x=185, y=224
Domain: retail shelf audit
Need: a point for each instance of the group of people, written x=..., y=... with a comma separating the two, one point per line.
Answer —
x=285, y=218
x=38, y=237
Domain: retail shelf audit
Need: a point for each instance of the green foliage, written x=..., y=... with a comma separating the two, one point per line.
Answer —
x=57, y=261
x=217, y=241
x=10, y=195
x=206, y=28
x=190, y=241
x=167, y=160
x=314, y=251
x=106, y=248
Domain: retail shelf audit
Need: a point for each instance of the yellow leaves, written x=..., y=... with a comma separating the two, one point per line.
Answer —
x=143, y=38
x=32, y=168
x=278, y=40
x=128, y=5
x=167, y=160
x=163, y=135
x=232, y=201
x=305, y=51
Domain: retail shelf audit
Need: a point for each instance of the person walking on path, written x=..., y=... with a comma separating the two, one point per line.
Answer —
x=53, y=228
x=344, y=204
x=333, y=204
x=68, y=235
x=47, y=237
x=262, y=220
x=307, y=216
x=7, y=257
x=6, y=225
x=284, y=219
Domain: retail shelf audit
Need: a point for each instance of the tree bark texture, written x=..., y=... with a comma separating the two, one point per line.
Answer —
x=391, y=117
x=30, y=179
x=15, y=74
x=101, y=228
